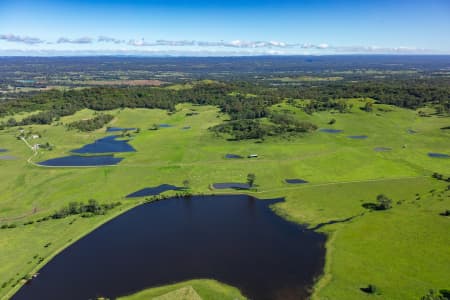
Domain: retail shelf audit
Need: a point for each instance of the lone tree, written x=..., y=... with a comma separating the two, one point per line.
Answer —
x=251, y=179
x=383, y=202
x=186, y=183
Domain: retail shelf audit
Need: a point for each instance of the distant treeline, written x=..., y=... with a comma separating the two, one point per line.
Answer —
x=91, y=124
x=61, y=103
x=411, y=93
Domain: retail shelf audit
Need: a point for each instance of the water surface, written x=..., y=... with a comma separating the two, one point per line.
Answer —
x=295, y=181
x=382, y=149
x=231, y=185
x=328, y=130
x=232, y=156
x=438, y=155
x=156, y=190
x=358, y=137
x=7, y=157
x=109, y=144
x=81, y=161
x=234, y=239
x=115, y=129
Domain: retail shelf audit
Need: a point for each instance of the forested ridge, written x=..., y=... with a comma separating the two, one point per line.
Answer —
x=240, y=100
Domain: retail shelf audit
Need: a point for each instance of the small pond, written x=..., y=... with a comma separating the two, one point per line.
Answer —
x=3, y=150
x=438, y=155
x=382, y=149
x=232, y=156
x=82, y=161
x=411, y=131
x=7, y=157
x=164, y=125
x=295, y=181
x=152, y=191
x=231, y=185
x=358, y=137
x=236, y=239
x=115, y=129
x=328, y=130
x=109, y=144
x=186, y=127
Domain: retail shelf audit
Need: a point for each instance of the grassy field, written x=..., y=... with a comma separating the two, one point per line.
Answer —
x=205, y=289
x=403, y=251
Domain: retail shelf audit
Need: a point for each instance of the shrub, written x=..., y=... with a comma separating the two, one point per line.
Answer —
x=370, y=289
x=383, y=202
x=434, y=295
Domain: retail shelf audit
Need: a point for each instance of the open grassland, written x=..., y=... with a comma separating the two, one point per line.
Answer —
x=403, y=251
x=203, y=289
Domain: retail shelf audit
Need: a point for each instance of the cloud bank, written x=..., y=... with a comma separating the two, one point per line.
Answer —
x=81, y=40
x=111, y=45
x=20, y=39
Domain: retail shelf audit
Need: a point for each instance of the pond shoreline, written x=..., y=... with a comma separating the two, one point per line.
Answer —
x=137, y=204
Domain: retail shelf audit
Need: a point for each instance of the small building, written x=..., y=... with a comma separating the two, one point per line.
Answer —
x=252, y=156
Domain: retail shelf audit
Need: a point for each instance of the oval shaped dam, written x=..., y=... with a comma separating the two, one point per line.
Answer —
x=329, y=130
x=117, y=129
x=236, y=239
x=438, y=155
x=231, y=185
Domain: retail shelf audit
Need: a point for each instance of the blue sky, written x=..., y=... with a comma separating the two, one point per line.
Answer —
x=230, y=27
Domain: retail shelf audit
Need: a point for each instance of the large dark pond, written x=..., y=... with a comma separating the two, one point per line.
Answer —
x=109, y=144
x=234, y=239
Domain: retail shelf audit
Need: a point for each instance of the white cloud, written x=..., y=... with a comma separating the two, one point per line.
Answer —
x=107, y=39
x=81, y=40
x=20, y=39
x=190, y=46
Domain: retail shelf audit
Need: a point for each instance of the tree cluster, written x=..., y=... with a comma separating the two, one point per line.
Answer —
x=92, y=208
x=91, y=124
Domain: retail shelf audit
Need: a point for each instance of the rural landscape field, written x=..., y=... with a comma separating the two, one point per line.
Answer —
x=345, y=157
x=194, y=166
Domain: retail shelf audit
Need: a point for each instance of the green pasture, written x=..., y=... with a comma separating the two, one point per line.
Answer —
x=403, y=251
